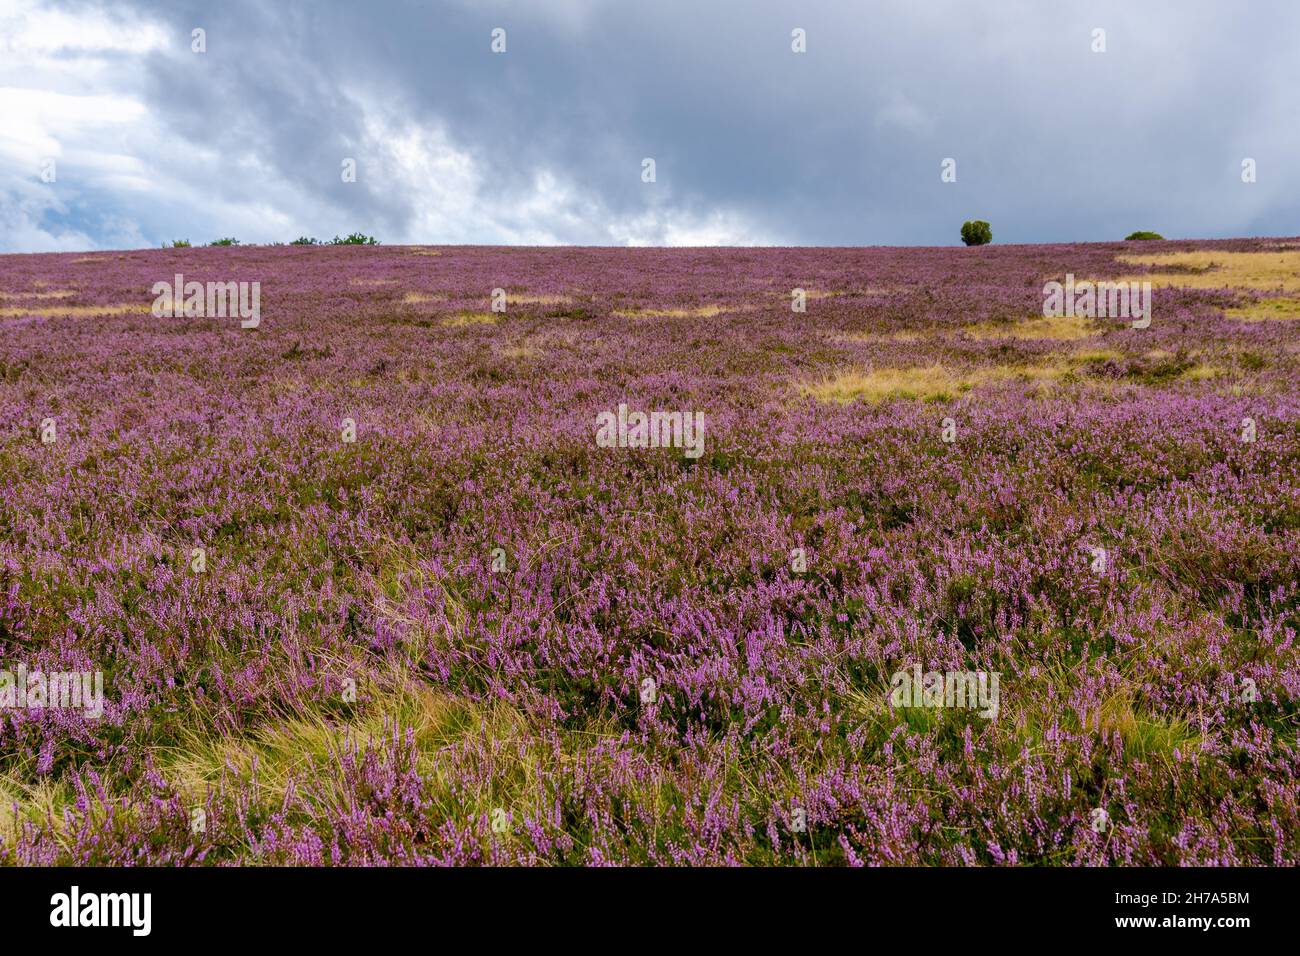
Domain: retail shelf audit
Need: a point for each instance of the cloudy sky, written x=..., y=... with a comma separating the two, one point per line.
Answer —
x=542, y=144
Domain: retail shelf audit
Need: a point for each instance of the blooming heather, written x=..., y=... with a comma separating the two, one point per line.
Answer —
x=432, y=643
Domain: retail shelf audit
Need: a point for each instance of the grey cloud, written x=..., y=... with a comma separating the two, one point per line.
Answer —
x=841, y=145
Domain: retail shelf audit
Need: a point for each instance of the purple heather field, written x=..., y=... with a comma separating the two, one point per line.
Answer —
x=365, y=586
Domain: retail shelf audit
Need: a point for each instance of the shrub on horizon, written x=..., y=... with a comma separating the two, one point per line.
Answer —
x=1142, y=234
x=355, y=239
x=224, y=242
x=305, y=241
x=178, y=244
x=976, y=233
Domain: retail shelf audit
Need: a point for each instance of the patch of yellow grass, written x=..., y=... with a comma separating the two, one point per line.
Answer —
x=1046, y=372
x=423, y=252
x=415, y=298
x=926, y=383
x=73, y=311
x=1243, y=270
x=371, y=282
x=538, y=299
x=1094, y=355
x=870, y=338
x=30, y=803
x=294, y=746
x=937, y=383
x=702, y=312
x=1064, y=328
x=1200, y=372
x=56, y=294
x=1146, y=735
x=91, y=259
x=461, y=319
x=1266, y=309
x=307, y=745
x=521, y=352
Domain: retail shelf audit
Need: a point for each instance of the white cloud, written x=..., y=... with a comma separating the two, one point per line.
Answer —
x=453, y=203
x=72, y=87
x=28, y=28
x=60, y=101
x=669, y=227
x=455, y=144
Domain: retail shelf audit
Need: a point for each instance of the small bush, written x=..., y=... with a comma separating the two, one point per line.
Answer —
x=305, y=241
x=976, y=233
x=180, y=244
x=356, y=239
x=1142, y=234
x=224, y=242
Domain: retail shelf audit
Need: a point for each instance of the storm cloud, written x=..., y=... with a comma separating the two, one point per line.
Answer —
x=753, y=143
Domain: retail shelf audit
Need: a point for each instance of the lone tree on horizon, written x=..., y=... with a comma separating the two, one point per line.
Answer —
x=976, y=233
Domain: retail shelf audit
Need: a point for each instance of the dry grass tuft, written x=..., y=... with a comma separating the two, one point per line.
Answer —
x=538, y=299
x=937, y=383
x=873, y=338
x=36, y=803
x=1264, y=310
x=55, y=294
x=1148, y=735
x=76, y=311
x=461, y=319
x=1208, y=269
x=927, y=383
x=702, y=312
x=1201, y=371
x=521, y=352
x=1064, y=328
